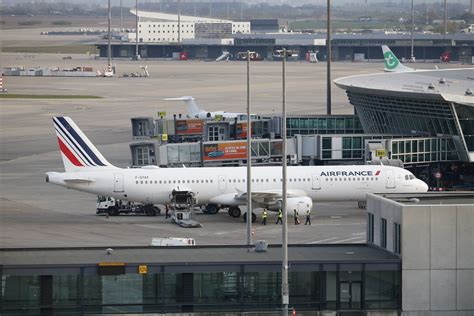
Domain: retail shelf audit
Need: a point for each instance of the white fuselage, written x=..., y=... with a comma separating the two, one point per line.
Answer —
x=221, y=185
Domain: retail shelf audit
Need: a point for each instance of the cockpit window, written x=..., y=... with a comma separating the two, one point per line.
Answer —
x=409, y=177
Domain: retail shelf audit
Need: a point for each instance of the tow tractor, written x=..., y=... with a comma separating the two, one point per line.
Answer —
x=114, y=207
x=183, y=206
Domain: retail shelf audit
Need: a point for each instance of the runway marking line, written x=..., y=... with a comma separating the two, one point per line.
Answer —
x=322, y=240
x=344, y=240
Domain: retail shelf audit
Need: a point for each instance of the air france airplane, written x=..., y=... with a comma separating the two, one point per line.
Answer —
x=87, y=170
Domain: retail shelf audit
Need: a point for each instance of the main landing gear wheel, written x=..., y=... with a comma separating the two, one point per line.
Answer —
x=212, y=209
x=254, y=217
x=151, y=210
x=113, y=211
x=362, y=204
x=234, y=212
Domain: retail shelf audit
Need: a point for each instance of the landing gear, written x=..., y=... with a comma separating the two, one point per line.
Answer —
x=254, y=217
x=212, y=209
x=113, y=211
x=234, y=211
x=362, y=205
x=151, y=210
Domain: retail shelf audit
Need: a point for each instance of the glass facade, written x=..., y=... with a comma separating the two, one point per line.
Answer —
x=398, y=115
x=323, y=125
x=465, y=115
x=312, y=287
x=422, y=150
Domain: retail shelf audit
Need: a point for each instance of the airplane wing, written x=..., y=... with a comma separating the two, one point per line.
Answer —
x=267, y=196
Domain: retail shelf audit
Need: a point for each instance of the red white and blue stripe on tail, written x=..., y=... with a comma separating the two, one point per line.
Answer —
x=76, y=149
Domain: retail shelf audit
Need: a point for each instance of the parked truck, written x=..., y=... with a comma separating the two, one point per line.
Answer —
x=115, y=207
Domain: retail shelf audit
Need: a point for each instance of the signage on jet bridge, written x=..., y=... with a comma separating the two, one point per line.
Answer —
x=225, y=151
x=186, y=127
x=380, y=153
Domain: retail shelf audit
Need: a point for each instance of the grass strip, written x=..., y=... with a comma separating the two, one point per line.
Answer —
x=46, y=96
x=65, y=49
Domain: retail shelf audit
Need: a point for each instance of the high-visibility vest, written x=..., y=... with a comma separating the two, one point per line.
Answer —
x=264, y=214
x=280, y=214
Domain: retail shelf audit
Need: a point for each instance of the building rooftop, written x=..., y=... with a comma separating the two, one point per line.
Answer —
x=432, y=198
x=174, y=17
x=448, y=84
x=193, y=255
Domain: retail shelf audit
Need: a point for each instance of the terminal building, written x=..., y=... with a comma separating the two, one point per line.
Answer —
x=421, y=120
x=345, y=47
x=157, y=27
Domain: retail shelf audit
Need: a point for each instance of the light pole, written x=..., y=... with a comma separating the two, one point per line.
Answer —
x=109, y=45
x=329, y=53
x=284, y=244
x=412, y=54
x=445, y=18
x=121, y=16
x=249, y=158
x=136, y=30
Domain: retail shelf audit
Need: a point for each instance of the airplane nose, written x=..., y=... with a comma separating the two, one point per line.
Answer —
x=423, y=186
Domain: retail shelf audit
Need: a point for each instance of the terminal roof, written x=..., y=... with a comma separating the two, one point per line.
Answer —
x=194, y=255
x=448, y=84
x=432, y=198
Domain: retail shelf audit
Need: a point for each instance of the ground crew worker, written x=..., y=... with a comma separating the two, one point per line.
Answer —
x=297, y=222
x=167, y=214
x=264, y=217
x=280, y=217
x=308, y=217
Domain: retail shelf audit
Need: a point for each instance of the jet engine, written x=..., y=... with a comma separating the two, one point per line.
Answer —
x=301, y=204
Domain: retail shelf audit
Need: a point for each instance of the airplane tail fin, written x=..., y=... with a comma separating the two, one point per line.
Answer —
x=392, y=64
x=77, y=151
x=193, y=108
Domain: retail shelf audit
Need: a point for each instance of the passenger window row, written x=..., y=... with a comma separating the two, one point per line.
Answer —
x=173, y=181
x=353, y=179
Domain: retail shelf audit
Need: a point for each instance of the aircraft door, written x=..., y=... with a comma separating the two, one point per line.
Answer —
x=316, y=183
x=390, y=180
x=118, y=182
x=222, y=184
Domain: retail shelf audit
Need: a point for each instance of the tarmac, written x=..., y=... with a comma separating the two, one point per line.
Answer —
x=36, y=214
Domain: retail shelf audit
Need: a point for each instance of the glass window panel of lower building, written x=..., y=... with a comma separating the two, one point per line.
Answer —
x=152, y=292
x=382, y=287
x=122, y=293
x=21, y=294
x=217, y=291
x=65, y=289
x=262, y=290
x=305, y=289
x=330, y=297
x=172, y=288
